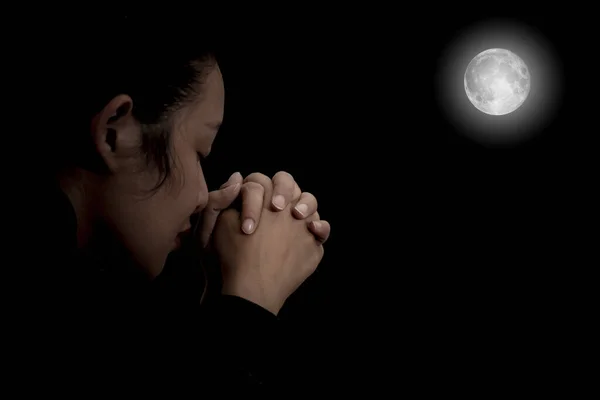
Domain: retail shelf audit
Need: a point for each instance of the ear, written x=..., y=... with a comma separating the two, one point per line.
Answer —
x=116, y=133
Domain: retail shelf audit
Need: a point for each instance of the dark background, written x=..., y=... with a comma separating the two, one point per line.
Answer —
x=451, y=265
x=447, y=258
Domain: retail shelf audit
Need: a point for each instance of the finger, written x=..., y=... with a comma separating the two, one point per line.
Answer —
x=226, y=194
x=220, y=200
x=321, y=230
x=217, y=200
x=297, y=193
x=266, y=183
x=252, y=204
x=236, y=177
x=313, y=217
x=226, y=220
x=283, y=190
x=306, y=206
x=223, y=197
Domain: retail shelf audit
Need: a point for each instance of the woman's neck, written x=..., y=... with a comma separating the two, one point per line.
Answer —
x=76, y=187
x=95, y=241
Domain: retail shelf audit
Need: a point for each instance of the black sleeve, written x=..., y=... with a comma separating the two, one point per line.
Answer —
x=228, y=342
x=248, y=339
x=228, y=338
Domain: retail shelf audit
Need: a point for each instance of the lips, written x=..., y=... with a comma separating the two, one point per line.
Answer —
x=177, y=242
x=187, y=227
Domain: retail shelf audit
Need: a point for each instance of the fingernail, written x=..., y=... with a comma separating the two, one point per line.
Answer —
x=317, y=224
x=227, y=184
x=302, y=209
x=233, y=176
x=232, y=188
x=279, y=202
x=248, y=226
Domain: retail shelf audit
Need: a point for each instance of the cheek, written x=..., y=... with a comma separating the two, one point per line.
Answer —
x=194, y=191
x=189, y=189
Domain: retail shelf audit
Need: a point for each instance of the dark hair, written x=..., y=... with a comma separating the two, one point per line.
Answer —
x=159, y=66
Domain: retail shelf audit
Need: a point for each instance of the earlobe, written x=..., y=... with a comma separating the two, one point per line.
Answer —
x=107, y=126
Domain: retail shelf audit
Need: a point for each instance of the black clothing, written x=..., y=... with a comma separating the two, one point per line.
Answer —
x=100, y=322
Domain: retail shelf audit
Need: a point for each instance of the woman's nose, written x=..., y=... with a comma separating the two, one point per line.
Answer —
x=195, y=218
x=202, y=200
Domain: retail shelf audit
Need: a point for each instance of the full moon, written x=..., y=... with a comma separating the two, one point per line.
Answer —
x=497, y=81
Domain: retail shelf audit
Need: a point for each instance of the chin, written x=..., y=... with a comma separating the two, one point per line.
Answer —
x=152, y=265
x=158, y=267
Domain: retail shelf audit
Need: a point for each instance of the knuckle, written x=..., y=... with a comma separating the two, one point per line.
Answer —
x=284, y=183
x=309, y=197
x=257, y=177
x=252, y=187
x=297, y=192
x=284, y=175
x=217, y=199
x=252, y=198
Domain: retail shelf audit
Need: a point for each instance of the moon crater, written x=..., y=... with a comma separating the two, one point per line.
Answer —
x=497, y=81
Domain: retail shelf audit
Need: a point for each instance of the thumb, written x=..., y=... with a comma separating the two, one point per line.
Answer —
x=219, y=200
x=224, y=196
x=236, y=177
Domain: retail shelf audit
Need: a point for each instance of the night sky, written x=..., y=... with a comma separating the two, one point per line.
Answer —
x=451, y=260
x=443, y=247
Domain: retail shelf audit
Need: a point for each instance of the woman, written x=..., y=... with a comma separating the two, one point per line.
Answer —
x=129, y=185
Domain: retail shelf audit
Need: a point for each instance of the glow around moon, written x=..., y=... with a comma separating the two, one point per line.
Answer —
x=497, y=81
x=544, y=96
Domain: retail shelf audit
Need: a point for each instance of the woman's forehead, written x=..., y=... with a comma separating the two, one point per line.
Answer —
x=209, y=106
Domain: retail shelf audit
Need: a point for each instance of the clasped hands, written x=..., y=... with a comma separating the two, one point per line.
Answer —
x=269, y=248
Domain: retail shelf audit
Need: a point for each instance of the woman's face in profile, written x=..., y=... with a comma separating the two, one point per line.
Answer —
x=148, y=224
